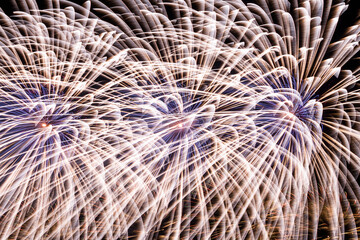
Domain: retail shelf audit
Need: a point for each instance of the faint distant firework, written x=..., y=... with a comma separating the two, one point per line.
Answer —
x=179, y=120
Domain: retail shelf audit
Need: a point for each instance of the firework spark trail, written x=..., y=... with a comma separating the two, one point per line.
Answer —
x=179, y=120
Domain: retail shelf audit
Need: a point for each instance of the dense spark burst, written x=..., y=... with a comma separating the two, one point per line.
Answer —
x=57, y=131
x=179, y=120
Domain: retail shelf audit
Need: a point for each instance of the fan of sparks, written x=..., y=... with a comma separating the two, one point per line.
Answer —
x=179, y=120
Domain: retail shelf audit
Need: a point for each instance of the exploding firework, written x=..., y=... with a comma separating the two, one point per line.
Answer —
x=179, y=120
x=57, y=127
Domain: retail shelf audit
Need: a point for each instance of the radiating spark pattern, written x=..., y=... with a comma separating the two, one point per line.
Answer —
x=179, y=120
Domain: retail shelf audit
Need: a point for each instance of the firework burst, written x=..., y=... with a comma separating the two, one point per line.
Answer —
x=57, y=131
x=179, y=120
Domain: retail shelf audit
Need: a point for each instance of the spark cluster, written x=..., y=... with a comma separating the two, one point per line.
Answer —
x=179, y=120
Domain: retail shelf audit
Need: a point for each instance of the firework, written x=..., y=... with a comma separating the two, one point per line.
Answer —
x=57, y=128
x=179, y=120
